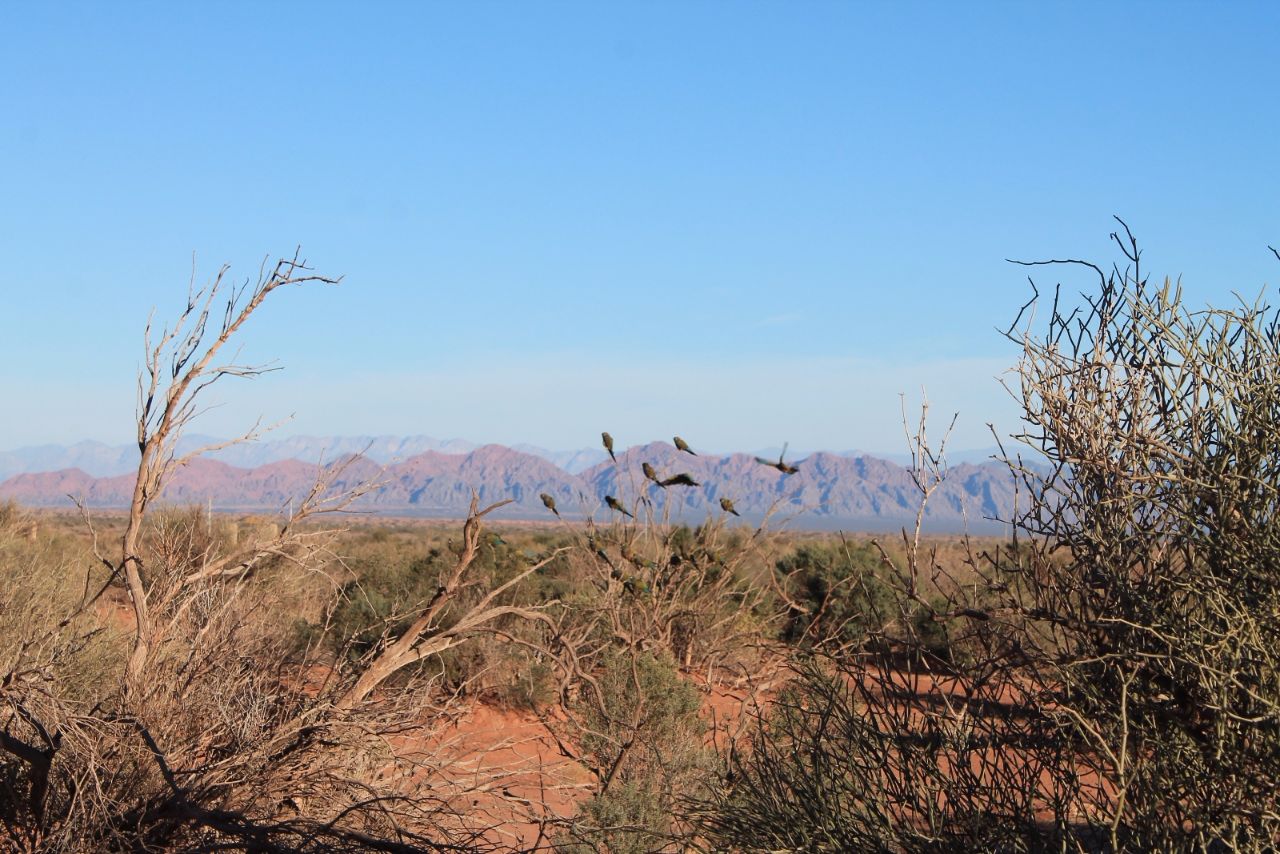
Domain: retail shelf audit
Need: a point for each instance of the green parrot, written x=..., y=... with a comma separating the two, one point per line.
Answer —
x=616, y=505
x=650, y=473
x=682, y=445
x=633, y=558
x=608, y=445
x=681, y=479
x=600, y=553
x=550, y=503
x=727, y=506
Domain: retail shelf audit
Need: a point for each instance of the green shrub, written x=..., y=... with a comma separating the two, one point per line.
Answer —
x=643, y=738
x=839, y=591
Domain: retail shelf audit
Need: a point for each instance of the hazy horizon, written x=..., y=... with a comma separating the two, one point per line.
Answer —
x=284, y=438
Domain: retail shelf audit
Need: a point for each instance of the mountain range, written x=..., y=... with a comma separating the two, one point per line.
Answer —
x=829, y=491
x=103, y=460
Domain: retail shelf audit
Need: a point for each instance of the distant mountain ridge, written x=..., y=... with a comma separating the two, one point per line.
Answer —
x=828, y=491
x=102, y=460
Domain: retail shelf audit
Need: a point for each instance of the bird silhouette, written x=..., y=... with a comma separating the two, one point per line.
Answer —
x=616, y=505
x=650, y=473
x=681, y=479
x=608, y=445
x=727, y=506
x=682, y=445
x=779, y=465
x=550, y=503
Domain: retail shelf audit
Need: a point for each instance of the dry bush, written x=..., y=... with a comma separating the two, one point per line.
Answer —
x=1152, y=559
x=629, y=612
x=909, y=730
x=388, y=580
x=156, y=700
x=643, y=617
x=1111, y=682
x=207, y=728
x=637, y=612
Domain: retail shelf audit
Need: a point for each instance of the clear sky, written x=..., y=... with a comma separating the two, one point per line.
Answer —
x=746, y=223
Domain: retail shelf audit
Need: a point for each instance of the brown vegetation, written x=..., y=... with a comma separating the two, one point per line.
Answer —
x=1104, y=681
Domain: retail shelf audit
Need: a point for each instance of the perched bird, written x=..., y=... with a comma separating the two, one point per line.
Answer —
x=604, y=556
x=550, y=503
x=681, y=479
x=634, y=586
x=650, y=473
x=727, y=506
x=616, y=505
x=634, y=559
x=682, y=445
x=608, y=445
x=779, y=465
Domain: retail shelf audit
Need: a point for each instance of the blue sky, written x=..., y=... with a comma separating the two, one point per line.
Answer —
x=746, y=223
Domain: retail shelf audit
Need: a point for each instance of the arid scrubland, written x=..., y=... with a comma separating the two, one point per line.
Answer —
x=1104, y=680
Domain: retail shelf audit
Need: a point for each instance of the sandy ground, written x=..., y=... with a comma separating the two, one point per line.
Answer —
x=505, y=769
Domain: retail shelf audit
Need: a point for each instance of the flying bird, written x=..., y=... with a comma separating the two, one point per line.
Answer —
x=727, y=506
x=615, y=504
x=550, y=503
x=682, y=445
x=779, y=465
x=650, y=473
x=608, y=445
x=681, y=479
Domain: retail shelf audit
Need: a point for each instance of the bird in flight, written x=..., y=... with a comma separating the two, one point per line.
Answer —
x=608, y=445
x=779, y=465
x=727, y=506
x=681, y=479
x=550, y=503
x=616, y=505
x=682, y=445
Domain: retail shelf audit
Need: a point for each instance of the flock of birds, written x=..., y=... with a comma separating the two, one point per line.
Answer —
x=681, y=479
